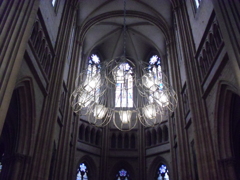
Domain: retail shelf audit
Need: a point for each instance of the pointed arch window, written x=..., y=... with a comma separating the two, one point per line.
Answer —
x=162, y=173
x=124, y=85
x=122, y=175
x=1, y=156
x=93, y=77
x=155, y=66
x=197, y=3
x=82, y=172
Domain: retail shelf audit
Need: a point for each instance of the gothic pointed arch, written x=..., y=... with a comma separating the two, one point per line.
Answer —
x=122, y=165
x=158, y=22
x=153, y=171
x=92, y=170
x=18, y=135
x=227, y=124
x=27, y=116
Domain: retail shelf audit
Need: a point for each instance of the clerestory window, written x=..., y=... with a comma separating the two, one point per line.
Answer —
x=197, y=3
x=122, y=175
x=82, y=172
x=93, y=77
x=162, y=173
x=155, y=67
x=54, y=2
x=124, y=85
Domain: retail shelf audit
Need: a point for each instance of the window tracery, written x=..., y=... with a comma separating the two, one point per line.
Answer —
x=155, y=67
x=122, y=175
x=82, y=172
x=163, y=173
x=124, y=86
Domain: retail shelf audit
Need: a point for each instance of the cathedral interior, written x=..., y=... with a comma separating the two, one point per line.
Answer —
x=50, y=127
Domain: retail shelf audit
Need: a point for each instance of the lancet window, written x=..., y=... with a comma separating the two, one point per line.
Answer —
x=82, y=172
x=162, y=173
x=124, y=86
x=122, y=175
x=155, y=67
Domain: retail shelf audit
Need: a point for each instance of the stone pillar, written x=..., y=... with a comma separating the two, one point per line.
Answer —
x=228, y=168
x=15, y=167
x=17, y=21
x=204, y=146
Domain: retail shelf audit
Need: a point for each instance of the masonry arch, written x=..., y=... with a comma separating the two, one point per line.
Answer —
x=18, y=136
x=91, y=167
x=152, y=172
x=122, y=165
x=227, y=130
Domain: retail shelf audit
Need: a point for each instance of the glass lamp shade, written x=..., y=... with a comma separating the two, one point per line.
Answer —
x=99, y=111
x=149, y=82
x=161, y=98
x=121, y=72
x=150, y=111
x=125, y=116
x=84, y=99
x=118, y=74
x=92, y=83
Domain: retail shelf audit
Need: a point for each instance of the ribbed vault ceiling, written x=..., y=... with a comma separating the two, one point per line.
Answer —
x=148, y=25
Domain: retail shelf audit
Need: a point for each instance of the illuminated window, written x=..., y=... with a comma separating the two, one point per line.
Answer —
x=124, y=85
x=122, y=175
x=197, y=3
x=94, y=73
x=55, y=5
x=54, y=2
x=1, y=166
x=82, y=172
x=155, y=67
x=163, y=173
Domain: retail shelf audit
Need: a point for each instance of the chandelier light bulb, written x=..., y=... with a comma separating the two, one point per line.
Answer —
x=84, y=99
x=99, y=111
x=161, y=98
x=92, y=83
x=125, y=116
x=150, y=111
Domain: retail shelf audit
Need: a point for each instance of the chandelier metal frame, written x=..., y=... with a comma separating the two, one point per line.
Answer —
x=152, y=94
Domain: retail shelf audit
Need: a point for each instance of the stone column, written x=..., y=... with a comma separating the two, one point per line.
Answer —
x=15, y=167
x=228, y=168
x=17, y=21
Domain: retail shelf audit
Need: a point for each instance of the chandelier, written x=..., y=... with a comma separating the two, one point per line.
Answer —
x=123, y=91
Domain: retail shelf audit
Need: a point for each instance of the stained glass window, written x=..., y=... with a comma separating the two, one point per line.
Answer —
x=82, y=172
x=53, y=2
x=94, y=74
x=197, y=2
x=124, y=86
x=163, y=173
x=155, y=67
x=1, y=162
x=122, y=175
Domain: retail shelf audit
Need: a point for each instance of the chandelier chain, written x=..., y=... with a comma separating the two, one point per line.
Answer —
x=124, y=30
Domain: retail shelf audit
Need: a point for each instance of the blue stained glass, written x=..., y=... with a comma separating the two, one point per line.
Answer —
x=123, y=173
x=82, y=173
x=153, y=59
x=95, y=59
x=163, y=169
x=160, y=86
x=83, y=167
